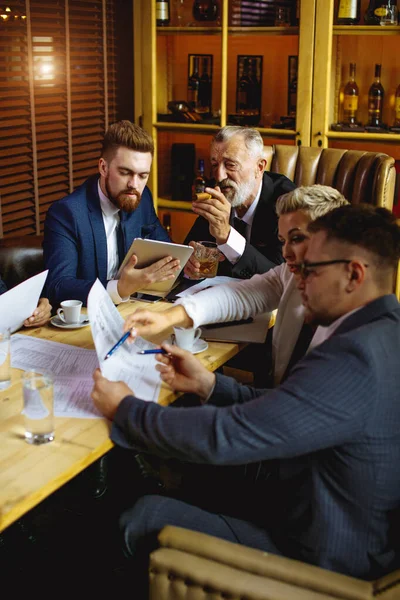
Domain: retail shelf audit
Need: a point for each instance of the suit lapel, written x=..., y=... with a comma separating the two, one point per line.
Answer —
x=264, y=217
x=98, y=231
x=368, y=313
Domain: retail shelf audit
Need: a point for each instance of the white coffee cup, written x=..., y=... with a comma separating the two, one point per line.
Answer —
x=70, y=311
x=186, y=338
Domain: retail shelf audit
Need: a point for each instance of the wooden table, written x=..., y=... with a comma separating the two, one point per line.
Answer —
x=28, y=474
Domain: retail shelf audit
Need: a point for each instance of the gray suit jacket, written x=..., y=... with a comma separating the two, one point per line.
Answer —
x=334, y=425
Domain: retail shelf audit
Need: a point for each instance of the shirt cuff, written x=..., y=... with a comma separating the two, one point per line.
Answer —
x=234, y=247
x=112, y=290
x=209, y=395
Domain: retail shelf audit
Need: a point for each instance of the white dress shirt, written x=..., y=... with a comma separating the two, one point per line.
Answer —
x=111, y=222
x=236, y=243
x=323, y=333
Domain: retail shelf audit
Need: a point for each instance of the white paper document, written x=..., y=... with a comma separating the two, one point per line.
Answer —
x=70, y=367
x=137, y=371
x=18, y=304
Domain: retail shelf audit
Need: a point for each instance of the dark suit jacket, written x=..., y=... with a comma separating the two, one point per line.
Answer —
x=3, y=287
x=264, y=251
x=334, y=425
x=75, y=244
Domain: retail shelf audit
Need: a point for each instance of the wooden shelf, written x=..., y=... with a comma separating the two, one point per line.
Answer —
x=360, y=135
x=366, y=30
x=189, y=30
x=232, y=30
x=263, y=30
x=187, y=126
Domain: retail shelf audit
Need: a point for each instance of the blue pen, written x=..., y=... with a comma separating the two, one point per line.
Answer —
x=117, y=345
x=153, y=351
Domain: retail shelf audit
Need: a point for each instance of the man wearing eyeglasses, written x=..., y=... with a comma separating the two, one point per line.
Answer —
x=333, y=426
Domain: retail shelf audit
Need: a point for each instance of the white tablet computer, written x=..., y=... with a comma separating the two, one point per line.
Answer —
x=149, y=252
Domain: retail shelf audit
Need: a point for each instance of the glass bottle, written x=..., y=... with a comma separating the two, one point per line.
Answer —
x=162, y=13
x=205, y=10
x=348, y=12
x=254, y=90
x=372, y=14
x=166, y=221
x=199, y=182
x=292, y=89
x=243, y=89
x=375, y=100
x=397, y=107
x=193, y=85
x=204, y=96
x=350, y=100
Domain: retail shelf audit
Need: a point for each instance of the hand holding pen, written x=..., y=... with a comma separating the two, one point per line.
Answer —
x=123, y=339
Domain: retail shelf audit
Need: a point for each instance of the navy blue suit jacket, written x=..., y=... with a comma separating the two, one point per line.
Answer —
x=333, y=425
x=3, y=287
x=75, y=244
x=264, y=252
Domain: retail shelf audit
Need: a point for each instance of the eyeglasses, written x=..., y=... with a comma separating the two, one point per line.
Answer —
x=305, y=269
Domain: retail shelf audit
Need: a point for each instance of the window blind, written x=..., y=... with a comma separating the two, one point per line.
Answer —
x=57, y=97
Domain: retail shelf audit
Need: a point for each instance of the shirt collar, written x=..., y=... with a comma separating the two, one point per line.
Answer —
x=249, y=214
x=328, y=331
x=107, y=207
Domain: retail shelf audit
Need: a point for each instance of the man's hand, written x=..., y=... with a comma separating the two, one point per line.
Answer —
x=148, y=323
x=108, y=395
x=41, y=315
x=133, y=279
x=183, y=372
x=217, y=211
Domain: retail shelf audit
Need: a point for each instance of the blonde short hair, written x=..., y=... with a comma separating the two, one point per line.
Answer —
x=316, y=200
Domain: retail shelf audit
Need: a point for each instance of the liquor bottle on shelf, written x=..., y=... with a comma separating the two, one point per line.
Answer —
x=397, y=108
x=375, y=100
x=166, y=221
x=389, y=13
x=162, y=13
x=374, y=11
x=254, y=93
x=204, y=95
x=199, y=182
x=348, y=12
x=292, y=86
x=194, y=84
x=243, y=89
x=350, y=99
x=205, y=10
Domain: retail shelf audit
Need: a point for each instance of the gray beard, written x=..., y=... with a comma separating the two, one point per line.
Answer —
x=242, y=194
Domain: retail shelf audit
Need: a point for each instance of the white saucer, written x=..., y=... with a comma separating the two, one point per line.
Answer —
x=199, y=345
x=56, y=321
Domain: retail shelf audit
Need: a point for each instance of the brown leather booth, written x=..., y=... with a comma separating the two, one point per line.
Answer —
x=194, y=565
x=367, y=177
x=20, y=258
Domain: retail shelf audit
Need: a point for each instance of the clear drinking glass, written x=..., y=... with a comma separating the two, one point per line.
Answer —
x=38, y=391
x=389, y=14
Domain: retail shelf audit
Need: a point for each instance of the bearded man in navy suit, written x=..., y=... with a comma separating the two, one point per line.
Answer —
x=332, y=427
x=87, y=234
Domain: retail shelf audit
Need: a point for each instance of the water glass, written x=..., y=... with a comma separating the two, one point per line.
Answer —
x=38, y=392
x=388, y=14
x=5, y=359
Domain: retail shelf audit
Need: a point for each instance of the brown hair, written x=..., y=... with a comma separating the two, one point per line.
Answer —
x=374, y=229
x=127, y=134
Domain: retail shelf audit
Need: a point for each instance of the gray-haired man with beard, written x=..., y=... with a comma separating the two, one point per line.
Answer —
x=241, y=215
x=87, y=234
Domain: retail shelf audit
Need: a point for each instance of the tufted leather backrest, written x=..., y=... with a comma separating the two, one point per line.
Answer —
x=20, y=258
x=367, y=177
